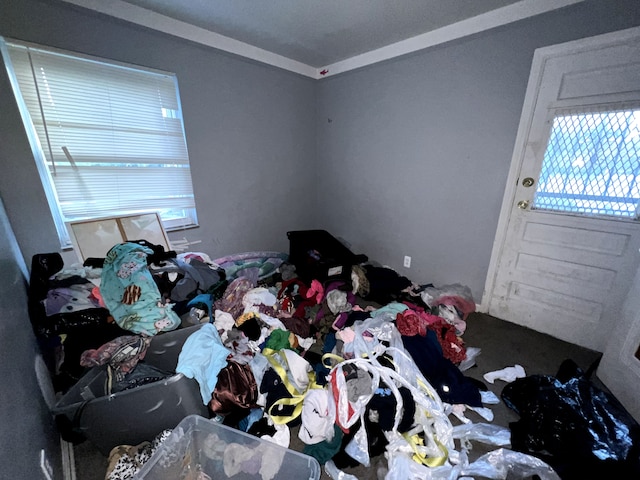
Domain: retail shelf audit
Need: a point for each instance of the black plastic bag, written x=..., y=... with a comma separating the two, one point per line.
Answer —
x=577, y=428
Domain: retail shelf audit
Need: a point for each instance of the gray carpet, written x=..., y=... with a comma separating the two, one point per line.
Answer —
x=502, y=344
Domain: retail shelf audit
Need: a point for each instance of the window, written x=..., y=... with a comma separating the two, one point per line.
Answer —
x=108, y=138
x=592, y=164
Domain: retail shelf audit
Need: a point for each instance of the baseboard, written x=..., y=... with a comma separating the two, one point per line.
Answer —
x=68, y=460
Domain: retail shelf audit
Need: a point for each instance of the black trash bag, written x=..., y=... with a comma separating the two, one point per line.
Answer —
x=43, y=266
x=73, y=322
x=577, y=428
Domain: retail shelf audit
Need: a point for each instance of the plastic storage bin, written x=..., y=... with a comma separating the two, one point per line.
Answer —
x=200, y=446
x=133, y=416
x=318, y=255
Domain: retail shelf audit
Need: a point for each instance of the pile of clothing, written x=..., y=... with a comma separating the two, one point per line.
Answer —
x=96, y=306
x=356, y=366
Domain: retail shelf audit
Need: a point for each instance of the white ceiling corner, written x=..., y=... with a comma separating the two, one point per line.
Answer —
x=319, y=39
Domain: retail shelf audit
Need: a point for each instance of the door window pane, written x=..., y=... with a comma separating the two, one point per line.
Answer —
x=591, y=165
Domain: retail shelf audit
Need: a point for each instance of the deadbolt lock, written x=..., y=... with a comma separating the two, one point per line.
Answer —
x=523, y=204
x=528, y=182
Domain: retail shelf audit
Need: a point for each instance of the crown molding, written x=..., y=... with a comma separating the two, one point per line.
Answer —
x=147, y=18
x=495, y=18
x=486, y=21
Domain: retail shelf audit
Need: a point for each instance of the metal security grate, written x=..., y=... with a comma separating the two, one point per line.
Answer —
x=592, y=164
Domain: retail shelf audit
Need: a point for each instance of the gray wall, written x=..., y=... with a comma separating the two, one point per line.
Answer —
x=25, y=424
x=250, y=132
x=408, y=157
x=414, y=153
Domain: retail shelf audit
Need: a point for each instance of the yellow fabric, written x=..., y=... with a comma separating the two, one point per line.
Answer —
x=296, y=396
x=419, y=457
x=246, y=316
x=427, y=390
x=331, y=356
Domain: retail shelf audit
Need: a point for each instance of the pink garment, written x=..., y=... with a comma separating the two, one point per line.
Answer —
x=95, y=291
x=316, y=289
x=347, y=335
x=463, y=305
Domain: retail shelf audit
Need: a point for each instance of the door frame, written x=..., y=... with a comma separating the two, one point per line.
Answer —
x=540, y=57
x=619, y=368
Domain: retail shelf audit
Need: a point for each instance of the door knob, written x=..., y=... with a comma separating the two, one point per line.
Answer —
x=528, y=182
x=523, y=204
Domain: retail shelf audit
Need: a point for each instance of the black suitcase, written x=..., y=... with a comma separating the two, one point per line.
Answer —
x=318, y=255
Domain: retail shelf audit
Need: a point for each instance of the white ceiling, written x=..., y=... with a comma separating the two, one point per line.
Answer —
x=314, y=36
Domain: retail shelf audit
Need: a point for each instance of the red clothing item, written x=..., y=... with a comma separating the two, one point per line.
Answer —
x=412, y=322
x=336, y=392
x=417, y=322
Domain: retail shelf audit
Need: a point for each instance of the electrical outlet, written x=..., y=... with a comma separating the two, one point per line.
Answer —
x=45, y=466
x=407, y=261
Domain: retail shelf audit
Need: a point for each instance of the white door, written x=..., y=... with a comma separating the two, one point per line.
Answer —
x=619, y=368
x=566, y=249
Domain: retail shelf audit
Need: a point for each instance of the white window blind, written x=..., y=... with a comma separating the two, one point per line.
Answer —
x=110, y=137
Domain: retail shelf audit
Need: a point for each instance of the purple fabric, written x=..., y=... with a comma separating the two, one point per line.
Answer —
x=231, y=302
x=122, y=354
x=70, y=299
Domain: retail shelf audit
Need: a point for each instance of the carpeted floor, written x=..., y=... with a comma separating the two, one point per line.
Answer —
x=502, y=344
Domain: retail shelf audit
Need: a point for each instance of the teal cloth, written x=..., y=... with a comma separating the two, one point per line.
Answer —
x=130, y=293
x=202, y=357
x=204, y=299
x=324, y=451
x=392, y=309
